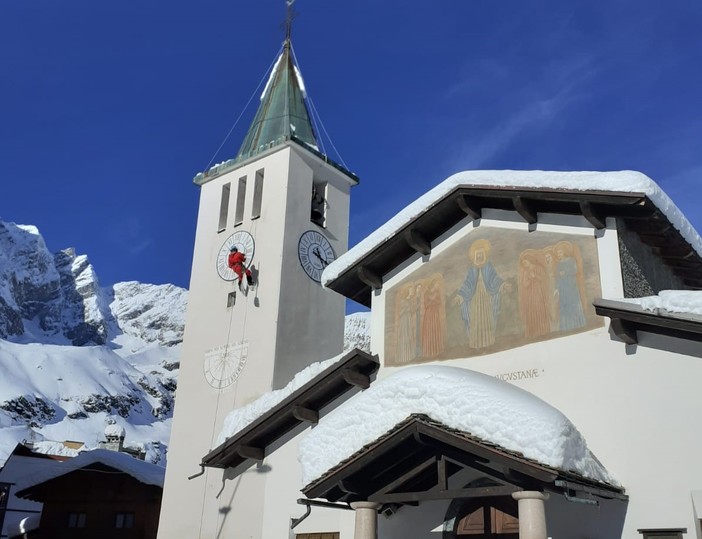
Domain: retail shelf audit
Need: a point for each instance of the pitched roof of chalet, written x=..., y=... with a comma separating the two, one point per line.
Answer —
x=414, y=461
x=628, y=318
x=144, y=472
x=628, y=195
x=266, y=433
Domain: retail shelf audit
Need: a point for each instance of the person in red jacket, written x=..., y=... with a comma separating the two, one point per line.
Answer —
x=236, y=263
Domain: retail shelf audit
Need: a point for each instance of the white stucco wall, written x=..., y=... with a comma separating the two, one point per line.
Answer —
x=287, y=322
x=637, y=406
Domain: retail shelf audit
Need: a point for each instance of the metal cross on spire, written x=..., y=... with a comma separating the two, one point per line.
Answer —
x=289, y=19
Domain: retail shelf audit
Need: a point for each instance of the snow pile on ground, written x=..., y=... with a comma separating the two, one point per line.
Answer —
x=468, y=401
x=674, y=301
x=626, y=181
x=240, y=418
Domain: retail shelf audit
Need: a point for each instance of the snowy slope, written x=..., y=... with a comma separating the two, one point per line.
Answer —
x=75, y=356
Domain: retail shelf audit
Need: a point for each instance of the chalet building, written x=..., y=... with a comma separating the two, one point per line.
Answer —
x=99, y=493
x=22, y=463
x=534, y=368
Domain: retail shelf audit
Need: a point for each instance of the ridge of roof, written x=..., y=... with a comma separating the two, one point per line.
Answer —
x=596, y=195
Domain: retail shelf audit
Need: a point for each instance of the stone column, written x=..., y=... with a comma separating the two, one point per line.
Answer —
x=366, y=526
x=532, y=516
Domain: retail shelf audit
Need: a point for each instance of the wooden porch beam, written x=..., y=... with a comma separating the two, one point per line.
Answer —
x=403, y=497
x=250, y=452
x=593, y=215
x=624, y=331
x=356, y=378
x=525, y=209
x=407, y=476
x=470, y=206
x=417, y=241
x=305, y=414
x=369, y=277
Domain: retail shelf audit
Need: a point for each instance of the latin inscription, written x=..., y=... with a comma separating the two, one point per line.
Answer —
x=519, y=375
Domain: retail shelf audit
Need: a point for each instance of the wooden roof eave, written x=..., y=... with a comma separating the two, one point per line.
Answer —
x=627, y=319
x=260, y=438
x=416, y=451
x=358, y=281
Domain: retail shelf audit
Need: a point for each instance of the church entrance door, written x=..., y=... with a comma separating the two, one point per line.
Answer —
x=488, y=518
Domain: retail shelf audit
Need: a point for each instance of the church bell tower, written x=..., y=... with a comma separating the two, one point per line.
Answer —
x=285, y=206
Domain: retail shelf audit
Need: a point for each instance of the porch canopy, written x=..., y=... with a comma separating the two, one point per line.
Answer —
x=417, y=459
x=426, y=432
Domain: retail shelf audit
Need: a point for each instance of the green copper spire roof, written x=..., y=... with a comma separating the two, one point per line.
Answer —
x=282, y=113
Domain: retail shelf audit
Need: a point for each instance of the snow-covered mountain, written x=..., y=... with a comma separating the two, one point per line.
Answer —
x=75, y=356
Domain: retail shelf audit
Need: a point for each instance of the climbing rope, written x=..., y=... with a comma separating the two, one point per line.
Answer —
x=316, y=117
x=244, y=109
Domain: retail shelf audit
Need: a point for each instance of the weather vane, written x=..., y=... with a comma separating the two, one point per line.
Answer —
x=289, y=19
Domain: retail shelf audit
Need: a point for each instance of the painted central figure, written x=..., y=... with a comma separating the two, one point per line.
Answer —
x=479, y=296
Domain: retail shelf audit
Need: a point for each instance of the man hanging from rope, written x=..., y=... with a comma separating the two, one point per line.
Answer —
x=236, y=263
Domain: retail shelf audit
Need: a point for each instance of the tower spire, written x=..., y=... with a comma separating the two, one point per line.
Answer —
x=283, y=114
x=291, y=14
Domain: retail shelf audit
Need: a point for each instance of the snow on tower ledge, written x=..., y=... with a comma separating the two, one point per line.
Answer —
x=625, y=181
x=461, y=399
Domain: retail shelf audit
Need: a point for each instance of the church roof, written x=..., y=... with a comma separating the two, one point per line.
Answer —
x=628, y=195
x=283, y=112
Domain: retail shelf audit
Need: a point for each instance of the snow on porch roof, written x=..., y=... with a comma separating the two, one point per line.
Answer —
x=487, y=409
x=630, y=195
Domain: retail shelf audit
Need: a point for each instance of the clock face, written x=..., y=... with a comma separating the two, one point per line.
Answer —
x=315, y=253
x=223, y=364
x=243, y=241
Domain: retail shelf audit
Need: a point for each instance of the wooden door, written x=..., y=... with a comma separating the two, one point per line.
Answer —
x=489, y=519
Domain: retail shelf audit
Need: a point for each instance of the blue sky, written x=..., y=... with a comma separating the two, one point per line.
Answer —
x=107, y=110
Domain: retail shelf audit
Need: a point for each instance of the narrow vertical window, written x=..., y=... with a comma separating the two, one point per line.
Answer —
x=240, y=199
x=124, y=520
x=318, y=213
x=224, y=207
x=257, y=195
x=76, y=520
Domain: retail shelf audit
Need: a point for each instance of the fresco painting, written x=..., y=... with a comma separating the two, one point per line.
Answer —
x=493, y=290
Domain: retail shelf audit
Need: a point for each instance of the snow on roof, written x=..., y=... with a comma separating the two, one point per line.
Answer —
x=673, y=301
x=625, y=181
x=239, y=418
x=115, y=430
x=475, y=403
x=144, y=472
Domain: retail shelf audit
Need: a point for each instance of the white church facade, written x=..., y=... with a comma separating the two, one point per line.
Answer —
x=515, y=386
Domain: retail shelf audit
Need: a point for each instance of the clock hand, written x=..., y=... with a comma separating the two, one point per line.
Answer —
x=316, y=253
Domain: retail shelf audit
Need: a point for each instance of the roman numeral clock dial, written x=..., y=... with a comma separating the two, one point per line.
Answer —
x=315, y=253
x=244, y=242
